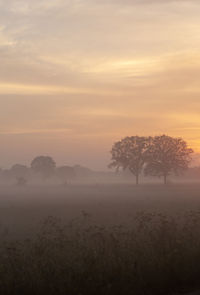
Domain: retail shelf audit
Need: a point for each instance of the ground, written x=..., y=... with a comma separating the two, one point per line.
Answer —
x=147, y=233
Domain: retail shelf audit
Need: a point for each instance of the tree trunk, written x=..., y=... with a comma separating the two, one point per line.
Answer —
x=165, y=179
x=137, y=179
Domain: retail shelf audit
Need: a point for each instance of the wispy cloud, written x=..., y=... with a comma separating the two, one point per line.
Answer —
x=75, y=70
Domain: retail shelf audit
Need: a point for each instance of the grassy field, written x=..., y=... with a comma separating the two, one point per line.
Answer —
x=100, y=239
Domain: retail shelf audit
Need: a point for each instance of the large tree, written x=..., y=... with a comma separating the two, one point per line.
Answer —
x=44, y=165
x=167, y=155
x=131, y=153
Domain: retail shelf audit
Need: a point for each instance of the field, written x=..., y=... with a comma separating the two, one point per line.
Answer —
x=100, y=239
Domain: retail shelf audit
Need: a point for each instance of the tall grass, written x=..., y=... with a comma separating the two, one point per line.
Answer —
x=155, y=254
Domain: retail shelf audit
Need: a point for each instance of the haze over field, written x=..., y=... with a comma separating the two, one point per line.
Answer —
x=99, y=147
x=78, y=75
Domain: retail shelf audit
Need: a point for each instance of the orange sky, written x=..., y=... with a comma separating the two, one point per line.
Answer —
x=77, y=75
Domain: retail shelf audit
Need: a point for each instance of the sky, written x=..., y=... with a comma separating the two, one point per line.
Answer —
x=78, y=75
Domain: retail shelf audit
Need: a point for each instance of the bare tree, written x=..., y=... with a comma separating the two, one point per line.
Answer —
x=130, y=153
x=167, y=155
x=44, y=165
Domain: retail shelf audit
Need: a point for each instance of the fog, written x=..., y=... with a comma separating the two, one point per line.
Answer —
x=99, y=147
x=23, y=208
x=29, y=194
x=132, y=227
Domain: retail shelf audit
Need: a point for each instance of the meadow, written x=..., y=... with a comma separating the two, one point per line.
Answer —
x=100, y=239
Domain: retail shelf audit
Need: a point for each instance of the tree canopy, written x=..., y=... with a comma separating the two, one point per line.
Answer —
x=167, y=155
x=44, y=165
x=157, y=156
x=66, y=173
x=130, y=153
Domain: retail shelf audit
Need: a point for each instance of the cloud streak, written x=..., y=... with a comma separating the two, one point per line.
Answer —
x=73, y=72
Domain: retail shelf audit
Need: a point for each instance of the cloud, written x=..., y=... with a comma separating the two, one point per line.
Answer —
x=148, y=2
x=73, y=72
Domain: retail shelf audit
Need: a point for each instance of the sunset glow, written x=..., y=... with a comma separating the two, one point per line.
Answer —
x=77, y=75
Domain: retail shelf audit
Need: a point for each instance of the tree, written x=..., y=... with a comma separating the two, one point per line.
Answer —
x=19, y=170
x=82, y=171
x=130, y=153
x=21, y=181
x=167, y=155
x=44, y=165
x=65, y=173
x=21, y=173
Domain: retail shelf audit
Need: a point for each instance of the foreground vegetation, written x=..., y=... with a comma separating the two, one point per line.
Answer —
x=155, y=254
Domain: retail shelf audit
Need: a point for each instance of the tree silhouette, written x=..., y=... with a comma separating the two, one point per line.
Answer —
x=21, y=181
x=131, y=153
x=44, y=165
x=19, y=170
x=21, y=173
x=65, y=173
x=167, y=155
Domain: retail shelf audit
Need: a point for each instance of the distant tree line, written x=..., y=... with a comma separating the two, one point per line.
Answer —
x=154, y=156
x=43, y=167
x=151, y=156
